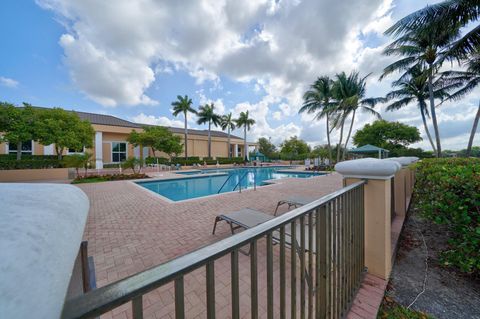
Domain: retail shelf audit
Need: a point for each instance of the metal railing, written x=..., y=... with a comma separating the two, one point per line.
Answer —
x=317, y=279
x=240, y=181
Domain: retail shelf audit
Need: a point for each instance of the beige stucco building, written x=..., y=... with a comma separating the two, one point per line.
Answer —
x=110, y=144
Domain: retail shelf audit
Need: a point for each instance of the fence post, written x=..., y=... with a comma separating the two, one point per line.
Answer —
x=377, y=205
x=403, y=183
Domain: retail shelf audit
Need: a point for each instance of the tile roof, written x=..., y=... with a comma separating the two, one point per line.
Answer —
x=103, y=119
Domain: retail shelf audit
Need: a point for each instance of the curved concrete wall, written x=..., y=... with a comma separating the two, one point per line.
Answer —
x=41, y=227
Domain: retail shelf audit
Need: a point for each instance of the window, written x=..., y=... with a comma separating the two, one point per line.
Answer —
x=27, y=148
x=119, y=152
x=74, y=151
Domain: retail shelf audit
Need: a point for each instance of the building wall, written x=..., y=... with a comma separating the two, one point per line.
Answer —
x=197, y=144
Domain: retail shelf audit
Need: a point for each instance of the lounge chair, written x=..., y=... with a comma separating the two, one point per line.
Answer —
x=293, y=201
x=248, y=218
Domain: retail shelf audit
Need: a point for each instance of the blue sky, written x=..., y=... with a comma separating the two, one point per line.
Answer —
x=131, y=59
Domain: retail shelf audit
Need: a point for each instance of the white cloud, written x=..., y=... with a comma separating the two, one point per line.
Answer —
x=152, y=120
x=115, y=49
x=10, y=83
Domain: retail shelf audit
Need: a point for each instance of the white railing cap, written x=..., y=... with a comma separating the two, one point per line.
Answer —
x=368, y=168
x=403, y=161
x=41, y=230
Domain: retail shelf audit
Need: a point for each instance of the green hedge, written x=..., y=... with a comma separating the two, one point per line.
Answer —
x=9, y=161
x=449, y=193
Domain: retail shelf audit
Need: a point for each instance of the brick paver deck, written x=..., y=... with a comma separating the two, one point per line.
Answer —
x=130, y=230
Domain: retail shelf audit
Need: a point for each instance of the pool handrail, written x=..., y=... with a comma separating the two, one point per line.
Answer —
x=224, y=183
x=240, y=180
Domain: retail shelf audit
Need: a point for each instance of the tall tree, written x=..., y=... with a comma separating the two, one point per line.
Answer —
x=17, y=125
x=318, y=100
x=64, y=129
x=388, y=135
x=413, y=88
x=349, y=93
x=158, y=138
x=266, y=147
x=448, y=14
x=206, y=114
x=227, y=123
x=183, y=104
x=294, y=147
x=426, y=47
x=471, y=79
x=246, y=122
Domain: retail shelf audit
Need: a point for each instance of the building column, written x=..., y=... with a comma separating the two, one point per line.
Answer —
x=378, y=208
x=235, y=150
x=98, y=150
x=247, y=152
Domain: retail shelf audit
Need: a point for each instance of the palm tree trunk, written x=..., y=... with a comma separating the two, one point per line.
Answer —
x=328, y=141
x=340, y=141
x=186, y=137
x=474, y=130
x=348, y=136
x=245, y=143
x=433, y=113
x=209, y=141
x=427, y=131
x=229, y=152
x=19, y=151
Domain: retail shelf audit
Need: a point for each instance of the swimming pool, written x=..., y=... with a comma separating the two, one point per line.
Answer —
x=224, y=180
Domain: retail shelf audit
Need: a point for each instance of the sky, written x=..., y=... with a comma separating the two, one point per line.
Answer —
x=131, y=58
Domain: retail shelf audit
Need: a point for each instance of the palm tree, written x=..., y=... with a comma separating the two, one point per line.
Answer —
x=414, y=88
x=246, y=122
x=227, y=123
x=207, y=114
x=471, y=78
x=184, y=105
x=448, y=14
x=426, y=47
x=318, y=99
x=349, y=94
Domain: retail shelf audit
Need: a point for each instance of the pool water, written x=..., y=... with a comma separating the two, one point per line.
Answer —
x=226, y=180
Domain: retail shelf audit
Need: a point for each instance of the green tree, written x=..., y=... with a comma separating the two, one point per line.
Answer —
x=172, y=145
x=426, y=47
x=133, y=163
x=294, y=147
x=64, y=129
x=78, y=161
x=321, y=151
x=388, y=135
x=17, y=125
x=158, y=139
x=266, y=147
x=228, y=123
x=448, y=14
x=206, y=114
x=412, y=87
x=471, y=78
x=184, y=105
x=246, y=122
x=349, y=93
x=318, y=100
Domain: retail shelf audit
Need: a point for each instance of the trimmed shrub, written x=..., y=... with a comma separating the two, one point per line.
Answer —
x=107, y=178
x=9, y=161
x=448, y=192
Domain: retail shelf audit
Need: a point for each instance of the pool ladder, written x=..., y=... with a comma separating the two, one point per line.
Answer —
x=240, y=181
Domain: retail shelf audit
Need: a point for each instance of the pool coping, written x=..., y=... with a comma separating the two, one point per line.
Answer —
x=268, y=182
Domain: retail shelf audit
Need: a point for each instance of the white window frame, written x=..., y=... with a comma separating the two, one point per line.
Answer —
x=8, y=151
x=70, y=153
x=111, y=150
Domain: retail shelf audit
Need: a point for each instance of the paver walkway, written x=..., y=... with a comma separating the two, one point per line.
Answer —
x=130, y=229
